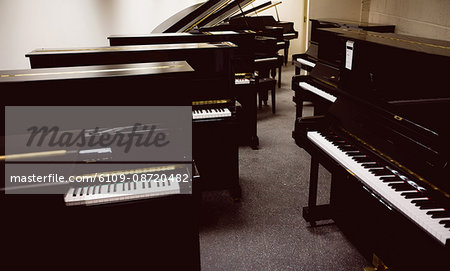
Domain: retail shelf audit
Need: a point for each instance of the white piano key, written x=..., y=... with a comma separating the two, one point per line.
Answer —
x=306, y=62
x=265, y=59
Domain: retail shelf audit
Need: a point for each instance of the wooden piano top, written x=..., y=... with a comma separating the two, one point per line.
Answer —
x=85, y=72
x=133, y=48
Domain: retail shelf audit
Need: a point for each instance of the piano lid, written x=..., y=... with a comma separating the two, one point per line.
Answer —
x=352, y=24
x=225, y=13
x=255, y=10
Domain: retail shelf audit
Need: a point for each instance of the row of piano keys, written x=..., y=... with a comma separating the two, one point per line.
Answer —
x=374, y=127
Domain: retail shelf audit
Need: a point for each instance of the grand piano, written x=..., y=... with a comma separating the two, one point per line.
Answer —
x=59, y=229
x=208, y=89
x=386, y=145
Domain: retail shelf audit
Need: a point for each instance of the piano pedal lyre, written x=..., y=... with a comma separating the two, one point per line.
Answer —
x=378, y=265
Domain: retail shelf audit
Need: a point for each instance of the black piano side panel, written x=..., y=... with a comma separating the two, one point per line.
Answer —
x=40, y=232
x=215, y=151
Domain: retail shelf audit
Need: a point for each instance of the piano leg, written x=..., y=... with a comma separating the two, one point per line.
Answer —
x=314, y=212
x=286, y=51
x=279, y=76
x=247, y=95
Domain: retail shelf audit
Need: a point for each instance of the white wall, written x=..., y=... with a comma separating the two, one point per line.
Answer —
x=429, y=18
x=339, y=9
x=29, y=24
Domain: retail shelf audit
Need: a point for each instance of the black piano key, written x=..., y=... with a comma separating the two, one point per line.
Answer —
x=363, y=159
x=332, y=138
x=338, y=143
x=390, y=179
x=354, y=153
x=402, y=187
x=446, y=223
x=413, y=195
x=439, y=214
x=375, y=165
x=430, y=206
x=346, y=147
x=418, y=202
x=380, y=172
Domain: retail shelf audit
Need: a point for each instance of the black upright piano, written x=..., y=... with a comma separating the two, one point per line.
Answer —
x=209, y=90
x=137, y=229
x=385, y=141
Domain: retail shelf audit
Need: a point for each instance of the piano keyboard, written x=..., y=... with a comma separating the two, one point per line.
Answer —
x=121, y=191
x=319, y=92
x=266, y=59
x=306, y=62
x=289, y=35
x=396, y=189
x=241, y=81
x=211, y=113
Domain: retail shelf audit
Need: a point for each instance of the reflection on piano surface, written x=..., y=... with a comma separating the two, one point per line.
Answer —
x=382, y=138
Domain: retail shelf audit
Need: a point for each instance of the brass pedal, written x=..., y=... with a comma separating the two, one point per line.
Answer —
x=378, y=265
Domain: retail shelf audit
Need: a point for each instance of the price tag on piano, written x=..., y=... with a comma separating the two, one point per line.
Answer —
x=349, y=54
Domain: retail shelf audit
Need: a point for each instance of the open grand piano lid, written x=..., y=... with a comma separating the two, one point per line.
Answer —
x=189, y=17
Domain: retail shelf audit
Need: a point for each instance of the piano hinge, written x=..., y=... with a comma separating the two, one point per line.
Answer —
x=328, y=83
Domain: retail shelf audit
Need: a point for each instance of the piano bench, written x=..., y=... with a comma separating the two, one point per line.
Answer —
x=263, y=86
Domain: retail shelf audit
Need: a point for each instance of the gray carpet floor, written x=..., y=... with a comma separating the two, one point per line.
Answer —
x=266, y=231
